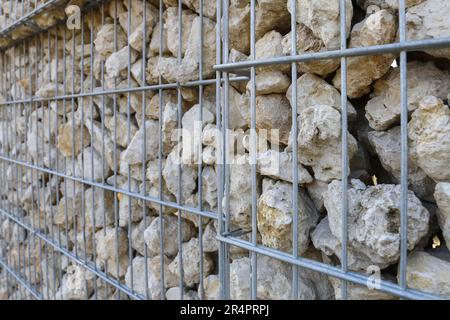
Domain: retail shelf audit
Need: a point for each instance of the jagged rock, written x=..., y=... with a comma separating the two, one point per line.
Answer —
x=98, y=208
x=209, y=186
x=308, y=43
x=427, y=20
x=137, y=234
x=175, y=293
x=130, y=209
x=270, y=15
x=429, y=136
x=273, y=113
x=112, y=248
x=323, y=18
x=387, y=146
x=239, y=28
x=118, y=61
x=134, y=153
x=278, y=165
x=314, y=91
x=428, y=273
x=359, y=292
x=171, y=29
x=377, y=29
x=319, y=142
x=384, y=4
x=275, y=217
x=270, y=46
x=71, y=140
x=170, y=227
x=270, y=82
x=139, y=267
x=374, y=219
x=191, y=263
x=122, y=125
x=442, y=196
x=208, y=9
x=189, y=174
x=424, y=79
x=104, y=42
x=316, y=190
x=90, y=165
x=77, y=284
x=212, y=287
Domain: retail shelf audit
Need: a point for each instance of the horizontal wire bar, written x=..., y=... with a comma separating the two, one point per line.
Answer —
x=170, y=204
x=115, y=283
x=19, y=279
x=352, y=52
x=328, y=269
x=124, y=90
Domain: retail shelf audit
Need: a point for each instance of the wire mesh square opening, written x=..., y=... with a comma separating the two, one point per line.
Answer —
x=150, y=150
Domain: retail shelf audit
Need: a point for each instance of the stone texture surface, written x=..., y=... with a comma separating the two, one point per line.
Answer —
x=442, y=196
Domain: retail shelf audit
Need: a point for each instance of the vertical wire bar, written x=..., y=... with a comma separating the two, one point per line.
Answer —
x=220, y=151
x=160, y=156
x=144, y=180
x=404, y=148
x=179, y=116
x=294, y=132
x=253, y=151
x=200, y=158
x=225, y=139
x=344, y=148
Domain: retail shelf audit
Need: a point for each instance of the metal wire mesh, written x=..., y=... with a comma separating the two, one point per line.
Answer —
x=72, y=231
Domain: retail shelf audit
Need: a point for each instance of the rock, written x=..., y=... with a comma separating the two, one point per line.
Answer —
x=137, y=234
x=314, y=91
x=426, y=20
x=175, y=293
x=112, y=249
x=90, y=165
x=138, y=282
x=210, y=244
x=359, y=292
x=134, y=153
x=323, y=18
x=104, y=42
x=189, y=174
x=191, y=263
x=240, y=193
x=171, y=28
x=316, y=190
x=130, y=208
x=239, y=28
x=270, y=46
x=208, y=9
x=98, y=208
x=393, y=4
x=428, y=273
x=120, y=121
x=319, y=142
x=77, y=284
x=170, y=227
x=273, y=113
x=387, y=146
x=308, y=43
x=429, y=137
x=273, y=279
x=275, y=217
x=118, y=61
x=189, y=68
x=270, y=82
x=209, y=186
x=212, y=287
x=71, y=140
x=278, y=165
x=377, y=29
x=424, y=79
x=442, y=196
x=374, y=219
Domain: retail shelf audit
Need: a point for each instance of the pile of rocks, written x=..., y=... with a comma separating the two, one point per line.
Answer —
x=115, y=139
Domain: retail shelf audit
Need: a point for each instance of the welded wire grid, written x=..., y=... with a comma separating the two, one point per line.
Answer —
x=39, y=253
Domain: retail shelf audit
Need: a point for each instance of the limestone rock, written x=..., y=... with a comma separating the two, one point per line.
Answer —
x=98, y=208
x=171, y=28
x=74, y=286
x=323, y=18
x=427, y=20
x=191, y=263
x=313, y=91
x=239, y=28
x=387, y=146
x=104, y=42
x=383, y=110
x=428, y=273
x=307, y=42
x=275, y=217
x=118, y=61
x=138, y=268
x=359, y=292
x=170, y=227
x=90, y=165
x=273, y=113
x=270, y=15
x=212, y=287
x=319, y=142
x=72, y=139
x=377, y=29
x=442, y=196
x=270, y=46
x=374, y=219
x=429, y=134
x=134, y=153
x=270, y=82
x=175, y=293
x=112, y=248
x=278, y=165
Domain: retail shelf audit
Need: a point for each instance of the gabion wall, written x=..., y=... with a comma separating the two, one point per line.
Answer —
x=152, y=151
